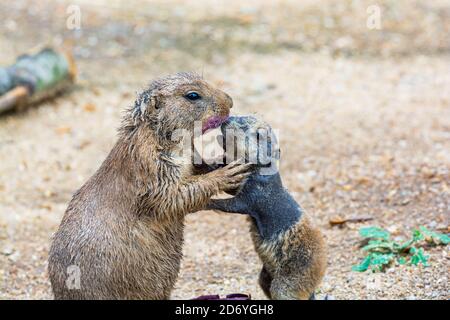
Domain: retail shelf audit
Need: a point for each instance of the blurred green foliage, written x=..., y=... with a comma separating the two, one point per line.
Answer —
x=382, y=251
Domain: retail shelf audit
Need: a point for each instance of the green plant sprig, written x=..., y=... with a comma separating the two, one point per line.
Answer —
x=382, y=251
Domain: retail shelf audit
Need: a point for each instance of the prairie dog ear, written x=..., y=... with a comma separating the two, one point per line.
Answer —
x=149, y=104
x=146, y=104
x=154, y=102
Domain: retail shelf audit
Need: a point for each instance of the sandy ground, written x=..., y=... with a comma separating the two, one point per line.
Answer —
x=363, y=117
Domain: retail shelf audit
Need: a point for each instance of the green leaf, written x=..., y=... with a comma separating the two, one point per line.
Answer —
x=418, y=257
x=401, y=260
x=378, y=245
x=374, y=232
x=381, y=258
x=417, y=235
x=442, y=238
x=404, y=246
x=381, y=251
x=364, y=265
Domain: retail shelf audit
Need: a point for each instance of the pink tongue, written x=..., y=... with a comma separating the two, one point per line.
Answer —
x=214, y=122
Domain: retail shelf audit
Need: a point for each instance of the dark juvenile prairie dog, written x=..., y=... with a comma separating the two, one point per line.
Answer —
x=291, y=249
x=123, y=230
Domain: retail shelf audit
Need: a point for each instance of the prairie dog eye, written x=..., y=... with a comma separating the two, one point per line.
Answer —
x=192, y=96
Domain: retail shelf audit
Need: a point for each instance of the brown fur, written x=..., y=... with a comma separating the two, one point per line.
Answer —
x=294, y=264
x=124, y=228
x=294, y=260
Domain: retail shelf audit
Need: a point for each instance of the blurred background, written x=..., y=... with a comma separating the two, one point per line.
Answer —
x=359, y=91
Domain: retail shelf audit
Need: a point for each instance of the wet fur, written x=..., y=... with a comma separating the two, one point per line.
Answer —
x=291, y=249
x=124, y=228
x=293, y=264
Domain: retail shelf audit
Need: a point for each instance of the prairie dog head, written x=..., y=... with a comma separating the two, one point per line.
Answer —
x=180, y=101
x=251, y=139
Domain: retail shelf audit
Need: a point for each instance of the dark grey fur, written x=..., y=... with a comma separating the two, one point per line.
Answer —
x=291, y=249
x=263, y=196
